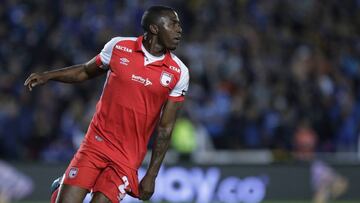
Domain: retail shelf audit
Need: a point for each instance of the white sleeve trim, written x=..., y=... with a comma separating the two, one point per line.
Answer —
x=182, y=85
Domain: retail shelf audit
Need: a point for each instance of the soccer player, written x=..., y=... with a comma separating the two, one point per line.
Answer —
x=144, y=88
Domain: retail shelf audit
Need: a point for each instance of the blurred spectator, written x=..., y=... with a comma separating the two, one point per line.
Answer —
x=305, y=140
x=258, y=67
x=13, y=184
x=328, y=185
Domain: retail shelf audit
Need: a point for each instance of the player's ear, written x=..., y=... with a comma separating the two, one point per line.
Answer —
x=154, y=29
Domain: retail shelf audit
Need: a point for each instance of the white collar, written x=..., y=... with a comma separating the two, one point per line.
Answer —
x=149, y=58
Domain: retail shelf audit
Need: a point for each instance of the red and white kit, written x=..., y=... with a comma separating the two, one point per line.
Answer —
x=137, y=86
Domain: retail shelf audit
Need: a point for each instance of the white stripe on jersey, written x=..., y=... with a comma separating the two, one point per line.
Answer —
x=183, y=84
x=105, y=83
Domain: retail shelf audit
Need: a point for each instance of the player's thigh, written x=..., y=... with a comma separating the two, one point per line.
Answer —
x=99, y=197
x=71, y=194
x=112, y=185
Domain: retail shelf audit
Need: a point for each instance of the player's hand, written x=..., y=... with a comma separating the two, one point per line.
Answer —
x=147, y=186
x=35, y=79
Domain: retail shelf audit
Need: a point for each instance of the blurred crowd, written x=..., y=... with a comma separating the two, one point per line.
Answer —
x=263, y=72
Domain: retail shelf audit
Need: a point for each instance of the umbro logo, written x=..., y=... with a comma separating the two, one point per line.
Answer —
x=122, y=48
x=124, y=61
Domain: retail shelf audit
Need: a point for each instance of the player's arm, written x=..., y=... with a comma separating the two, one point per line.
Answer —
x=71, y=74
x=160, y=147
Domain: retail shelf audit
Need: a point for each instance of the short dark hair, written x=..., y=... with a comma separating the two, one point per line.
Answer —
x=152, y=15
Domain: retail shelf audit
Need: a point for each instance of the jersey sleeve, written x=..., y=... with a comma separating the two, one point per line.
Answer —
x=104, y=57
x=180, y=89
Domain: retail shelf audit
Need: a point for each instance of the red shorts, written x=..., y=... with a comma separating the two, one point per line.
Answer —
x=95, y=167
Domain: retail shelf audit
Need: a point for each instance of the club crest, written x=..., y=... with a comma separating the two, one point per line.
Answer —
x=165, y=79
x=73, y=172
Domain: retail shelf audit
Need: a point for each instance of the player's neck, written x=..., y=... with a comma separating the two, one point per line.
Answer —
x=151, y=44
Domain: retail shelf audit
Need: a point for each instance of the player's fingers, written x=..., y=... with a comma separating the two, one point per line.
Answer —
x=27, y=81
x=142, y=197
x=35, y=83
x=31, y=77
x=146, y=195
x=142, y=194
x=32, y=83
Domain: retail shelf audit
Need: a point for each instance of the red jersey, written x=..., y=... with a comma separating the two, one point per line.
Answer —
x=136, y=88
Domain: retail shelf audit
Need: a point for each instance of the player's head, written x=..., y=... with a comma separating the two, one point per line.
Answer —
x=164, y=23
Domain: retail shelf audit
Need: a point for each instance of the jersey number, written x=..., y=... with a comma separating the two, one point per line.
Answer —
x=122, y=187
